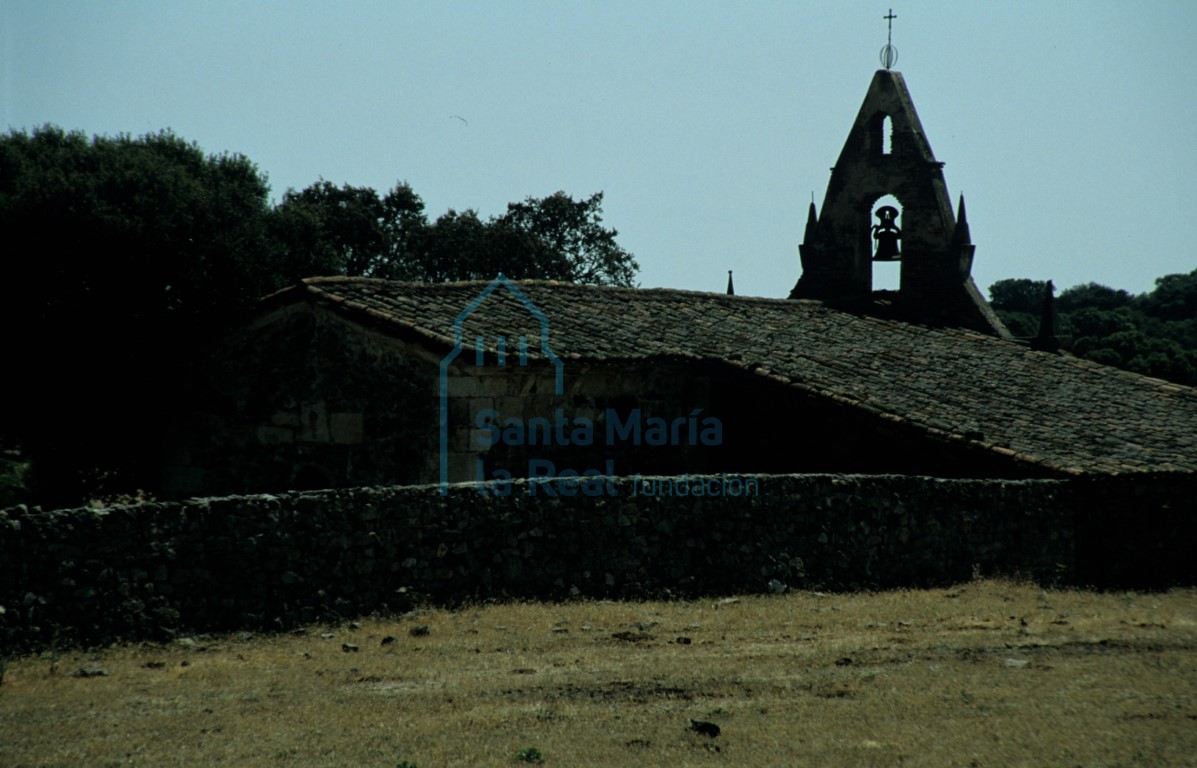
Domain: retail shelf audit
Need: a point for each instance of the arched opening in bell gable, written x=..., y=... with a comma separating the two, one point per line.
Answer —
x=885, y=242
x=881, y=134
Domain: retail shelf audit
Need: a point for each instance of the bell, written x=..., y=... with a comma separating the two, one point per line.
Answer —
x=887, y=235
x=887, y=249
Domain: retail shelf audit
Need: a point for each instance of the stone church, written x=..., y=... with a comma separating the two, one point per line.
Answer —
x=353, y=382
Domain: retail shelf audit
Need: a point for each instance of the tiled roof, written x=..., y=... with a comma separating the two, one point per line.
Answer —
x=1058, y=412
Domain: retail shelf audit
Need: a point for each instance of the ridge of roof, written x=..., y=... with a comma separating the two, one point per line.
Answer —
x=318, y=282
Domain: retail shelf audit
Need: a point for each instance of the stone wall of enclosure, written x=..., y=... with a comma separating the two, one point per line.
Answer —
x=274, y=561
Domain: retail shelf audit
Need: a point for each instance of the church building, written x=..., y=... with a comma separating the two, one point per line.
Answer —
x=343, y=382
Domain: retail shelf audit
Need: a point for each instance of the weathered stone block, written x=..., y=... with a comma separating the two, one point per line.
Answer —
x=275, y=435
x=346, y=428
x=462, y=467
x=465, y=386
x=314, y=422
x=516, y=407
x=285, y=419
x=478, y=404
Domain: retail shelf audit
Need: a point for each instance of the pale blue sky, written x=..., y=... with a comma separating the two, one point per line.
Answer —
x=1071, y=127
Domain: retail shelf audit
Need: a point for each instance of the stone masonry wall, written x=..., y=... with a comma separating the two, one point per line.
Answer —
x=274, y=561
x=299, y=402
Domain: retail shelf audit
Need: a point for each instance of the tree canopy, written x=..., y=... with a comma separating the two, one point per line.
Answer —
x=126, y=253
x=1154, y=333
x=353, y=231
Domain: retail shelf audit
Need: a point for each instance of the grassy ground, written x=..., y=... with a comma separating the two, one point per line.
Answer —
x=987, y=674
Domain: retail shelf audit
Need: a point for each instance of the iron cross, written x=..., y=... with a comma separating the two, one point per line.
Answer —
x=889, y=54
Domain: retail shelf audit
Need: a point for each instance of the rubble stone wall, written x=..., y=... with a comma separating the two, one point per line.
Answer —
x=274, y=561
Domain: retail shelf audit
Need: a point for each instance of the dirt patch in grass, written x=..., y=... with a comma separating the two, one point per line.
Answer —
x=991, y=673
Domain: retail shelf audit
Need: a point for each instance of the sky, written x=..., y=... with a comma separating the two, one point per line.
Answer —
x=1070, y=127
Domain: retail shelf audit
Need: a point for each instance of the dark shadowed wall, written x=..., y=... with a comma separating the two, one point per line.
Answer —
x=264, y=562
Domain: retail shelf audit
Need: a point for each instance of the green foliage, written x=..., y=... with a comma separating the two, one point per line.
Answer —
x=1174, y=298
x=530, y=755
x=1018, y=304
x=136, y=252
x=1091, y=321
x=572, y=231
x=1154, y=333
x=1023, y=296
x=1092, y=295
x=327, y=230
x=1022, y=324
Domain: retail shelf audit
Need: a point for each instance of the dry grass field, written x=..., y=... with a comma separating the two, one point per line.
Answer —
x=991, y=673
